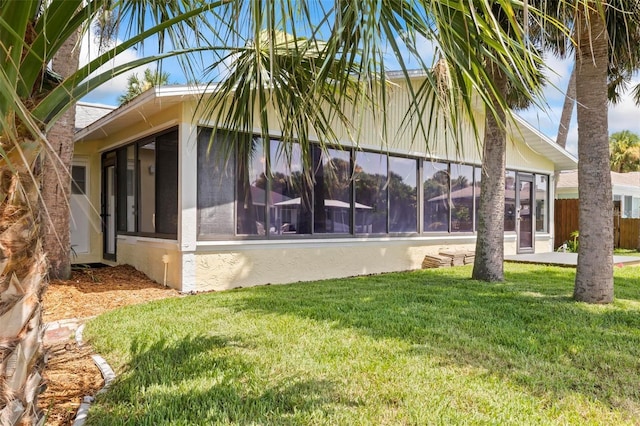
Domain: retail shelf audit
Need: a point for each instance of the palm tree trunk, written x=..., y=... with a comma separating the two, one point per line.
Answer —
x=594, y=276
x=565, y=118
x=56, y=180
x=22, y=284
x=488, y=265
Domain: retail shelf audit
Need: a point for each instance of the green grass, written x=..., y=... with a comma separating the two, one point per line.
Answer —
x=426, y=347
x=626, y=252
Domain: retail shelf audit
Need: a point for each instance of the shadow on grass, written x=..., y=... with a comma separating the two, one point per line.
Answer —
x=526, y=330
x=196, y=380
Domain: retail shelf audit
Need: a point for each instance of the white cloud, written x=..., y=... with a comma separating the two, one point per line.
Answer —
x=108, y=92
x=625, y=115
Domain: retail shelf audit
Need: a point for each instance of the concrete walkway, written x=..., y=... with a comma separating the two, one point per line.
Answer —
x=564, y=259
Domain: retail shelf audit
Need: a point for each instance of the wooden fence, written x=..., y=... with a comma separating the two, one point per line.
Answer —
x=626, y=232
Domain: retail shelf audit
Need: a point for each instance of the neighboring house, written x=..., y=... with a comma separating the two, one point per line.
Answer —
x=194, y=221
x=625, y=188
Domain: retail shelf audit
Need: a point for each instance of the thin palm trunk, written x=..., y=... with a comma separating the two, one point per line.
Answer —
x=594, y=275
x=488, y=265
x=567, y=110
x=56, y=182
x=565, y=117
x=22, y=280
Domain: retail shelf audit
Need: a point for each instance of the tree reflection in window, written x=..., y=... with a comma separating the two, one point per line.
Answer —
x=403, y=195
x=289, y=201
x=251, y=184
x=510, y=201
x=370, y=180
x=461, y=198
x=436, y=197
x=332, y=191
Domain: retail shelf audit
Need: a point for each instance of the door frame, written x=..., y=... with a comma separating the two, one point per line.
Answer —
x=530, y=179
x=108, y=161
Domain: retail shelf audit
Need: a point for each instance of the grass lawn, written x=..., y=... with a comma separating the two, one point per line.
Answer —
x=425, y=347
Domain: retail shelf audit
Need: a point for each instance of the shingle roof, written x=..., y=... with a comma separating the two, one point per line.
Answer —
x=87, y=113
x=570, y=179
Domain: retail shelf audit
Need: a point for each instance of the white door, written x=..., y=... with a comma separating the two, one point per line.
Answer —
x=80, y=208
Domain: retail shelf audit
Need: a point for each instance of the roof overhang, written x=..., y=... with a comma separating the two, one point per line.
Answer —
x=141, y=108
x=156, y=99
x=543, y=145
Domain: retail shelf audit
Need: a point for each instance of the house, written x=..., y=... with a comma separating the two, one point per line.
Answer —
x=157, y=199
x=625, y=188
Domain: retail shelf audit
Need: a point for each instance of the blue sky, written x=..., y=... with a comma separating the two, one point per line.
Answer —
x=624, y=116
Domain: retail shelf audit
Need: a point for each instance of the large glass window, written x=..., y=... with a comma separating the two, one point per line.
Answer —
x=403, y=195
x=262, y=190
x=165, y=220
x=461, y=198
x=290, y=201
x=478, y=179
x=131, y=188
x=370, y=179
x=510, y=201
x=436, y=196
x=216, y=186
x=126, y=161
x=332, y=191
x=542, y=194
x=252, y=185
x=146, y=186
x=147, y=207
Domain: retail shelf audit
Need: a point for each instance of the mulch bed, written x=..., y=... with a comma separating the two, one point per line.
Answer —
x=71, y=373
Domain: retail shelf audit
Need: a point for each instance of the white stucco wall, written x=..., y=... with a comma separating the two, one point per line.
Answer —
x=146, y=255
x=227, y=265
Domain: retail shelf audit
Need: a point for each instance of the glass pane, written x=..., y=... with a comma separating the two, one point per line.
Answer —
x=403, y=195
x=147, y=206
x=166, y=220
x=371, y=193
x=290, y=202
x=542, y=193
x=525, y=239
x=110, y=211
x=628, y=206
x=216, y=186
x=252, y=188
x=510, y=201
x=332, y=191
x=131, y=189
x=436, y=197
x=121, y=182
x=478, y=179
x=79, y=179
x=461, y=198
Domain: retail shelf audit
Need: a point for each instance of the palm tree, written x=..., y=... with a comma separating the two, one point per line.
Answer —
x=489, y=260
x=32, y=99
x=137, y=85
x=312, y=83
x=594, y=274
x=624, y=152
x=56, y=185
x=606, y=39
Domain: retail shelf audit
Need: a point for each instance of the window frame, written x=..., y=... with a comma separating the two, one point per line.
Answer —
x=352, y=152
x=123, y=192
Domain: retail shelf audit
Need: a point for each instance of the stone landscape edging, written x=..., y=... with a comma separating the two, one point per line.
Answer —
x=107, y=374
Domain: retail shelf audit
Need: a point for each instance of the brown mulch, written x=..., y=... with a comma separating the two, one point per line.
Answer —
x=70, y=373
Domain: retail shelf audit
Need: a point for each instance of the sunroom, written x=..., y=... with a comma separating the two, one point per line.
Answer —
x=160, y=192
